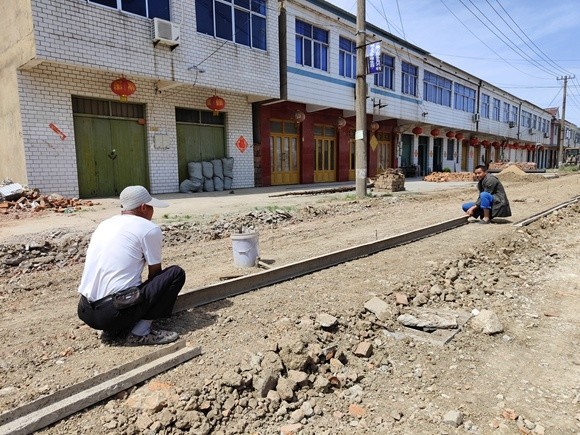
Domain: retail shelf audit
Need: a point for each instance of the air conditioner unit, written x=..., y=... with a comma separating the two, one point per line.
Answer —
x=476, y=117
x=531, y=131
x=511, y=124
x=165, y=32
x=546, y=135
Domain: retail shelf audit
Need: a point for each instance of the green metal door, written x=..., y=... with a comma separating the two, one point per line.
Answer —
x=196, y=143
x=111, y=155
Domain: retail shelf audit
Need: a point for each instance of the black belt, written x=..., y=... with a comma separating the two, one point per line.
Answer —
x=97, y=303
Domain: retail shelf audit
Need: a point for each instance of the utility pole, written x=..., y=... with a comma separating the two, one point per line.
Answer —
x=361, y=103
x=562, y=134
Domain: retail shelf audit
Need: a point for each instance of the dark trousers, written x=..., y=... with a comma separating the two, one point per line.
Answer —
x=159, y=296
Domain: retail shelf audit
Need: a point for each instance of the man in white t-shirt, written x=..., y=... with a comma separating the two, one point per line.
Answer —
x=119, y=249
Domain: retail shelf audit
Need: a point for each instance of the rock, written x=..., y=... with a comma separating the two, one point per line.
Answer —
x=296, y=416
x=452, y=274
x=298, y=378
x=364, y=349
x=152, y=397
x=294, y=354
x=428, y=321
x=420, y=300
x=264, y=382
x=401, y=298
x=356, y=410
x=453, y=418
x=232, y=379
x=306, y=407
x=487, y=322
x=284, y=389
x=326, y=320
x=379, y=308
x=321, y=384
x=435, y=290
x=290, y=429
x=143, y=422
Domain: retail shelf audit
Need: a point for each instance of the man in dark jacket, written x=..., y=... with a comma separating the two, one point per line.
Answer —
x=492, y=201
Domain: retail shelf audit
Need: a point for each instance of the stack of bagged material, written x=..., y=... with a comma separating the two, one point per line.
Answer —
x=209, y=176
x=195, y=181
x=228, y=168
x=218, y=174
x=207, y=170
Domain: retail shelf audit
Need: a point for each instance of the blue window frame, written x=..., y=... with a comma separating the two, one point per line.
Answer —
x=496, y=109
x=526, y=119
x=506, y=112
x=346, y=58
x=240, y=21
x=409, y=78
x=484, y=111
x=464, y=98
x=437, y=89
x=311, y=46
x=144, y=8
x=386, y=78
x=514, y=116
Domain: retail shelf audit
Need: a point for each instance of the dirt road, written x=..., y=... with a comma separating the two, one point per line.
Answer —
x=521, y=380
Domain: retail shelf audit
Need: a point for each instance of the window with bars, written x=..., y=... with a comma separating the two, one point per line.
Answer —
x=464, y=98
x=346, y=58
x=514, y=115
x=193, y=116
x=437, y=89
x=526, y=119
x=240, y=21
x=311, y=46
x=386, y=78
x=144, y=8
x=106, y=108
x=409, y=78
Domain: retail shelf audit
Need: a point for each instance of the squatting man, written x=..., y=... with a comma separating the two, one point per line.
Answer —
x=492, y=201
x=112, y=297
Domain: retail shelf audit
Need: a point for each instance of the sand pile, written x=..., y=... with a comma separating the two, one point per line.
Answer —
x=514, y=173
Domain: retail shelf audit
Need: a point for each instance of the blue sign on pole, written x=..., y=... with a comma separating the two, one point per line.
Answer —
x=373, y=54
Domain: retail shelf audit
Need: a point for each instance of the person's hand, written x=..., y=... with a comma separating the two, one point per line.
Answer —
x=470, y=211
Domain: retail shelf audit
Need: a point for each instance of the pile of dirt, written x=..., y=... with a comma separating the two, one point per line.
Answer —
x=441, y=177
x=514, y=173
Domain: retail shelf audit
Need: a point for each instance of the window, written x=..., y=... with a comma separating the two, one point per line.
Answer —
x=386, y=78
x=240, y=21
x=144, y=8
x=526, y=119
x=496, y=109
x=409, y=75
x=464, y=98
x=311, y=46
x=514, y=116
x=506, y=112
x=346, y=58
x=450, y=149
x=535, y=122
x=485, y=105
x=437, y=89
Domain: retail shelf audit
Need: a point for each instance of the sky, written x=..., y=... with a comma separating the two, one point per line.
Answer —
x=521, y=46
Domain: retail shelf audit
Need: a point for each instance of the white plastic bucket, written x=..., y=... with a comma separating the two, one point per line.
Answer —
x=245, y=247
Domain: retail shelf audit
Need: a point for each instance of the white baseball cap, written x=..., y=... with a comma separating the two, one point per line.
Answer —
x=133, y=196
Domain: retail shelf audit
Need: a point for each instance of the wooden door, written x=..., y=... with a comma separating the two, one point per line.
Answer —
x=324, y=153
x=384, y=151
x=284, y=152
x=464, y=157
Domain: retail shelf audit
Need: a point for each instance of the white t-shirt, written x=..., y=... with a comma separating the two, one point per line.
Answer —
x=117, y=253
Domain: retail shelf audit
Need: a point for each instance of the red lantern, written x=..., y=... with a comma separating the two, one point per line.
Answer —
x=215, y=104
x=374, y=126
x=417, y=130
x=485, y=143
x=495, y=144
x=474, y=141
x=340, y=122
x=516, y=145
x=123, y=88
x=435, y=132
x=459, y=136
x=450, y=134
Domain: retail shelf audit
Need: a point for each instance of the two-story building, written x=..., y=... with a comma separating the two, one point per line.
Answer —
x=63, y=128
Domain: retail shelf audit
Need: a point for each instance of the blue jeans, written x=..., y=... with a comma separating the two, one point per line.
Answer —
x=485, y=202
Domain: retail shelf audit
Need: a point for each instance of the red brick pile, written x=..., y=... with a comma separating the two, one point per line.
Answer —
x=32, y=200
x=500, y=166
